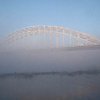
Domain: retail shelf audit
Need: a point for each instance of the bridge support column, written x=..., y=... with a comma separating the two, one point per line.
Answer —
x=78, y=40
x=70, y=39
x=38, y=40
x=56, y=37
x=50, y=38
x=63, y=40
x=56, y=40
x=44, y=39
x=34, y=40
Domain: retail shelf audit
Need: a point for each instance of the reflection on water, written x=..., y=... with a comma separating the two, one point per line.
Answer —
x=78, y=85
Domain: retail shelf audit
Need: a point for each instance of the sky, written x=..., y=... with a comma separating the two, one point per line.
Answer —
x=82, y=15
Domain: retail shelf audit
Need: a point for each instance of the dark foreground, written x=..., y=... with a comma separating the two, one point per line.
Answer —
x=77, y=85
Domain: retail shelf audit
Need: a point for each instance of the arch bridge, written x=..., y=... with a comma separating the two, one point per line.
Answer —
x=50, y=36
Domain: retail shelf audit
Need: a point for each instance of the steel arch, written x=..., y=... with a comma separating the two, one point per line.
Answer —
x=50, y=29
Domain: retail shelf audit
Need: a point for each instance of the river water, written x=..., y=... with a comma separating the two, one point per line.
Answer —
x=80, y=82
x=51, y=87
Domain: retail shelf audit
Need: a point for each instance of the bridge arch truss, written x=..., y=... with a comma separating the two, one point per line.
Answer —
x=44, y=30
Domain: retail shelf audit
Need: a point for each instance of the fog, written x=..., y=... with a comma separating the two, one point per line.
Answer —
x=49, y=60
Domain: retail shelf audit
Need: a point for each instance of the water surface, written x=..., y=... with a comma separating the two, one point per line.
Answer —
x=81, y=85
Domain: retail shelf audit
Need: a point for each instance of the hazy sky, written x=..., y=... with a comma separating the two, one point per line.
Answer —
x=83, y=15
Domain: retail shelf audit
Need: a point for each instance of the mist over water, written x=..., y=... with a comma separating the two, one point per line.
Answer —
x=50, y=74
x=51, y=87
x=48, y=60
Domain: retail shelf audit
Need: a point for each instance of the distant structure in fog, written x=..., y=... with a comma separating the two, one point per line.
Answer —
x=48, y=37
